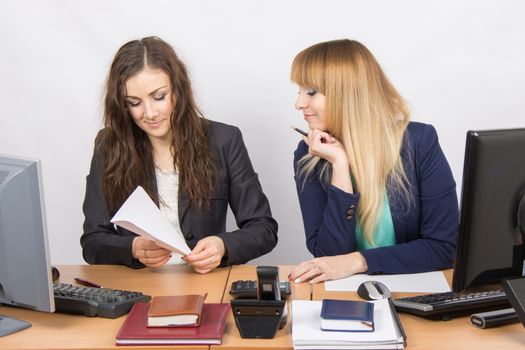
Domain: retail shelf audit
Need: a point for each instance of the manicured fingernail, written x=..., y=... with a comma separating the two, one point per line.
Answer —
x=297, y=280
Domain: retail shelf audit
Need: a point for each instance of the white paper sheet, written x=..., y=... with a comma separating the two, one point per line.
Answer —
x=307, y=333
x=139, y=214
x=427, y=282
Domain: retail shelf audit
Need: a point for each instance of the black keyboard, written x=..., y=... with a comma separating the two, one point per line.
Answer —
x=247, y=289
x=448, y=305
x=101, y=302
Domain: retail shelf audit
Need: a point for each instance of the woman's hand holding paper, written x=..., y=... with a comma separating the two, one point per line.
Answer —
x=149, y=253
x=206, y=255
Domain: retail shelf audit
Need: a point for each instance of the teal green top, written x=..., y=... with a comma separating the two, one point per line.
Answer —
x=383, y=234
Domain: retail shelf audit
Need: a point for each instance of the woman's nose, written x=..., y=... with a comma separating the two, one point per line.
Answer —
x=149, y=111
x=301, y=102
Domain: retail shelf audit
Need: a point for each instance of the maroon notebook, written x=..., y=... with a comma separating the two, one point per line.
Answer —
x=135, y=332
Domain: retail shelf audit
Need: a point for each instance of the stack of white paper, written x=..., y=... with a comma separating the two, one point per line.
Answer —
x=307, y=333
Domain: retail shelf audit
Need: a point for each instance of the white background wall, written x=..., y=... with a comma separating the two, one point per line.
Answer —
x=460, y=64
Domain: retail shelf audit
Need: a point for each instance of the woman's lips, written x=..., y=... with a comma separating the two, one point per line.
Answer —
x=154, y=124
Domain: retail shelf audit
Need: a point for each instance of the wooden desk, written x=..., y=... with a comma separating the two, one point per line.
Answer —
x=283, y=339
x=60, y=331
x=454, y=334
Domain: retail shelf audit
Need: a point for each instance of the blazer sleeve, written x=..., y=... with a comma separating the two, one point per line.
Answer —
x=435, y=246
x=101, y=242
x=329, y=227
x=257, y=233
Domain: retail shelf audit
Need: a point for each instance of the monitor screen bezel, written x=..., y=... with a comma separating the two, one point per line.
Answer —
x=476, y=155
x=31, y=267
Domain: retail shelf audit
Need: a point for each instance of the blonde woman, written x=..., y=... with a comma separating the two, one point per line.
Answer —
x=376, y=191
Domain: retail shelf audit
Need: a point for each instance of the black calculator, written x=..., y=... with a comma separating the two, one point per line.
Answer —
x=248, y=289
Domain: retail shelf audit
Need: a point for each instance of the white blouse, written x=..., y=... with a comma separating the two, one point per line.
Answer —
x=168, y=188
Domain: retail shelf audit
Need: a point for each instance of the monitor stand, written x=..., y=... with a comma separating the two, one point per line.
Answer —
x=10, y=325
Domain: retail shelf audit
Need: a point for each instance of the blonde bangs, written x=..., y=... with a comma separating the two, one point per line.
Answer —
x=308, y=69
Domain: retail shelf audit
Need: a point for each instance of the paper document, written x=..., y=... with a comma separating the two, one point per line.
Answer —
x=307, y=333
x=427, y=282
x=139, y=214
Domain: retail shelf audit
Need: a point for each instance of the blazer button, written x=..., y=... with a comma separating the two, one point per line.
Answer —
x=188, y=237
x=350, y=212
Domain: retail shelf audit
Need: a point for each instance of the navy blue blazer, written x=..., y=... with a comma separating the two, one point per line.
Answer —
x=425, y=227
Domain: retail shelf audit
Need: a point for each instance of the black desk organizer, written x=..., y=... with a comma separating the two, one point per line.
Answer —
x=261, y=318
x=258, y=318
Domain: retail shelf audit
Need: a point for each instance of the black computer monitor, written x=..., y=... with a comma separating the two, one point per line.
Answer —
x=25, y=272
x=490, y=245
x=515, y=290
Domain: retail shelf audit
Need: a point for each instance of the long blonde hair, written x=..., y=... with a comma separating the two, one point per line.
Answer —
x=363, y=111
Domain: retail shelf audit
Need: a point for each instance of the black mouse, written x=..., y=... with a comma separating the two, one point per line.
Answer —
x=373, y=290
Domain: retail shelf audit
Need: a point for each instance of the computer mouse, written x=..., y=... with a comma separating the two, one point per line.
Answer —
x=373, y=290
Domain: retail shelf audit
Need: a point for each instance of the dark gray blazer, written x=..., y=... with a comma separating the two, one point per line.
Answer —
x=237, y=185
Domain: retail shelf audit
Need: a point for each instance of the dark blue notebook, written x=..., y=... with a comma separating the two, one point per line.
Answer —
x=347, y=315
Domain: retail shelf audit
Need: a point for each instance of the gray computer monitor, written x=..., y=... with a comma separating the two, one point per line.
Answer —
x=25, y=271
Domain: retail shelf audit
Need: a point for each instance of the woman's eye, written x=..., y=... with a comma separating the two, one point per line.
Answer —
x=159, y=98
x=311, y=92
x=133, y=104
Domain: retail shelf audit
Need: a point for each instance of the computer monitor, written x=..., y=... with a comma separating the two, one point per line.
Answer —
x=490, y=244
x=25, y=272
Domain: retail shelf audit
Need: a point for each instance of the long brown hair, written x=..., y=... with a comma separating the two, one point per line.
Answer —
x=363, y=111
x=127, y=150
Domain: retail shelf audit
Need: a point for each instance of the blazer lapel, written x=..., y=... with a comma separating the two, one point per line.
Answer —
x=183, y=205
